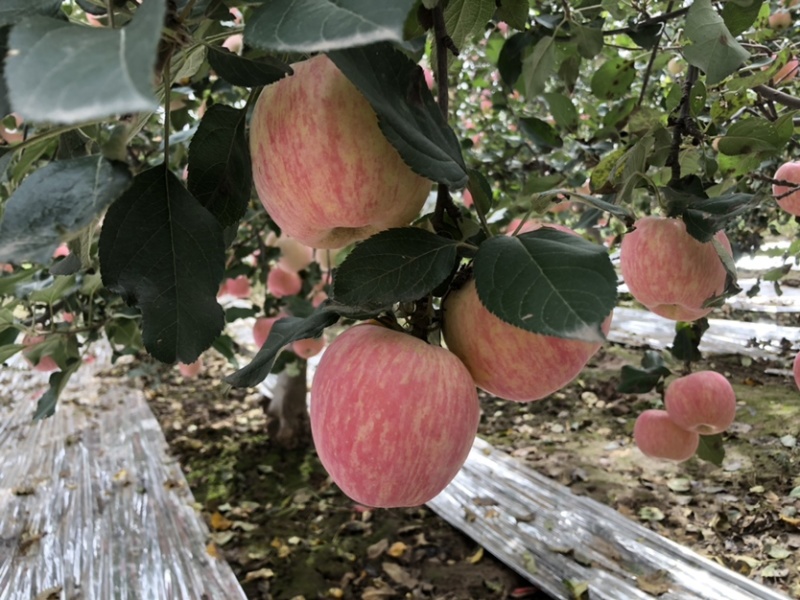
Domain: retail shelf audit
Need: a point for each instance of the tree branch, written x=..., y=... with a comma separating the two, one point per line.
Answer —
x=663, y=18
x=774, y=95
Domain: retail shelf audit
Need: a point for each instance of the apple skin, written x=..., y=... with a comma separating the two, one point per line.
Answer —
x=322, y=168
x=190, y=371
x=393, y=418
x=796, y=370
x=669, y=271
x=703, y=402
x=789, y=171
x=658, y=437
x=238, y=287
x=308, y=347
x=261, y=329
x=780, y=19
x=282, y=283
x=507, y=361
x=787, y=73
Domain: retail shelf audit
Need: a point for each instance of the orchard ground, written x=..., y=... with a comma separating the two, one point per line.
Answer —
x=283, y=526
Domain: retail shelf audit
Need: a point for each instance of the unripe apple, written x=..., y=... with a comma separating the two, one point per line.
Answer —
x=308, y=347
x=669, y=271
x=780, y=19
x=322, y=168
x=261, y=329
x=282, y=283
x=658, y=437
x=46, y=364
x=505, y=360
x=294, y=255
x=703, y=402
x=191, y=370
x=393, y=418
x=796, y=370
x=238, y=287
x=676, y=66
x=790, y=172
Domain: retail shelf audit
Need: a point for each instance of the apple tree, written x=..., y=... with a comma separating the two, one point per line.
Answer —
x=461, y=168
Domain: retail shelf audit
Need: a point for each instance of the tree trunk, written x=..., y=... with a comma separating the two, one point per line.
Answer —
x=288, y=423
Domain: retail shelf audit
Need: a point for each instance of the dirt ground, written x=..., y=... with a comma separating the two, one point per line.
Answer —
x=290, y=534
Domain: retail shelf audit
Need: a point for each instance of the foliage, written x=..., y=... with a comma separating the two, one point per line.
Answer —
x=583, y=113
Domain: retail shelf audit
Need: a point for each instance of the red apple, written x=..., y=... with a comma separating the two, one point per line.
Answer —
x=308, y=347
x=61, y=250
x=703, y=402
x=393, y=417
x=282, y=283
x=658, y=437
x=318, y=298
x=294, y=255
x=796, y=370
x=46, y=364
x=505, y=360
x=191, y=370
x=234, y=43
x=322, y=168
x=261, y=329
x=466, y=196
x=429, y=80
x=669, y=271
x=780, y=19
x=790, y=172
x=238, y=287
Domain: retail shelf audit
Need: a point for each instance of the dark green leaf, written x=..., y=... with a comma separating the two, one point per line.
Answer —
x=711, y=449
x=563, y=110
x=713, y=49
x=395, y=265
x=739, y=16
x=641, y=380
x=55, y=202
x=548, y=282
x=646, y=36
x=613, y=79
x=481, y=191
x=5, y=106
x=60, y=72
x=46, y=406
x=161, y=250
x=407, y=112
x=59, y=287
x=705, y=217
x=321, y=25
x=12, y=11
x=686, y=344
x=247, y=72
x=220, y=173
x=590, y=40
x=756, y=134
x=464, y=19
x=538, y=65
x=509, y=62
x=514, y=12
x=541, y=133
x=283, y=332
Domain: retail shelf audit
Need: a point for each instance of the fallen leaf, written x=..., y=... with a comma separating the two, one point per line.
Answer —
x=212, y=550
x=779, y=552
x=399, y=575
x=378, y=548
x=655, y=583
x=220, y=523
x=259, y=574
x=222, y=537
x=397, y=550
x=244, y=526
x=475, y=558
x=651, y=513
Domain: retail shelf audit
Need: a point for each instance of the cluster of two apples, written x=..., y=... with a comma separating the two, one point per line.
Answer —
x=393, y=417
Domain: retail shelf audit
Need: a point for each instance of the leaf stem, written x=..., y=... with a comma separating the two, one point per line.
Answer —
x=167, y=101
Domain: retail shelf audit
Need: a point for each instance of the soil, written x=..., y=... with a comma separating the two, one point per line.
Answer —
x=290, y=534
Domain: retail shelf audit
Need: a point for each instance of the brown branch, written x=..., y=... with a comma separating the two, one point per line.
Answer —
x=683, y=124
x=774, y=95
x=653, y=56
x=663, y=18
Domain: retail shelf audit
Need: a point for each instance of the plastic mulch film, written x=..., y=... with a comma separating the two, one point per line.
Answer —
x=91, y=505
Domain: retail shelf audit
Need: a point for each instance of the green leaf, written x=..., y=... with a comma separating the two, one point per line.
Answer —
x=514, y=12
x=61, y=287
x=706, y=217
x=12, y=11
x=465, y=18
x=711, y=449
x=509, y=61
x=548, y=282
x=321, y=25
x=46, y=406
x=563, y=110
x=590, y=40
x=59, y=72
x=283, y=332
x=407, y=113
x=686, y=344
x=538, y=66
x=396, y=265
x=713, y=48
x=613, y=79
x=753, y=135
x=639, y=381
x=220, y=173
x=541, y=133
x=163, y=251
x=739, y=16
x=55, y=203
x=246, y=72
x=481, y=191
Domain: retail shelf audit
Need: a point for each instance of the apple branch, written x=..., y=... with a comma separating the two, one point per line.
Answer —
x=683, y=124
x=662, y=18
x=774, y=95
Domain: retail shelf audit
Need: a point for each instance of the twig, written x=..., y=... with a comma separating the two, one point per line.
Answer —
x=653, y=56
x=774, y=95
x=683, y=125
x=662, y=18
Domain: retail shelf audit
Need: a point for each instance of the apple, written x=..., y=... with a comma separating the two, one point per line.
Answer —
x=703, y=402
x=282, y=283
x=46, y=364
x=393, y=418
x=429, y=80
x=669, y=271
x=238, y=287
x=294, y=255
x=796, y=370
x=790, y=172
x=533, y=225
x=676, y=66
x=780, y=19
x=658, y=437
x=322, y=168
x=234, y=43
x=787, y=73
x=318, y=298
x=505, y=360
x=466, y=196
x=308, y=347
x=191, y=370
